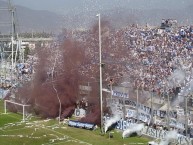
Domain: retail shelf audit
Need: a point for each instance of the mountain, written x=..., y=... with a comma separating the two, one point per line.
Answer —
x=28, y=20
x=36, y=20
x=69, y=6
x=83, y=17
x=120, y=17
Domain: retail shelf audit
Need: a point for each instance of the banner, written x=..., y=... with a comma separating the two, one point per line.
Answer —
x=141, y=116
x=145, y=117
x=146, y=109
x=119, y=94
x=174, y=123
x=79, y=112
x=144, y=112
x=154, y=133
x=162, y=133
x=131, y=113
x=78, y=124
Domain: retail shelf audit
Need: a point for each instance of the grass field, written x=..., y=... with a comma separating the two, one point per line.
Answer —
x=49, y=132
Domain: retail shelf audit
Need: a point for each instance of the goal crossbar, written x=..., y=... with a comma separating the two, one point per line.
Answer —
x=23, y=106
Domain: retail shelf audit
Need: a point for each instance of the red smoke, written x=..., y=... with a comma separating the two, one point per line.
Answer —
x=62, y=68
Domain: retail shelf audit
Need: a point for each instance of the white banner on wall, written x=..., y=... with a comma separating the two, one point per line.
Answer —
x=119, y=94
x=79, y=112
x=141, y=116
x=154, y=133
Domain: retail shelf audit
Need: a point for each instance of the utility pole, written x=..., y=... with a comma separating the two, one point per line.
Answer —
x=60, y=104
x=12, y=37
x=151, y=105
x=168, y=110
x=124, y=109
x=126, y=95
x=12, y=34
x=137, y=104
x=152, y=89
x=186, y=115
x=111, y=89
x=17, y=49
x=100, y=68
x=9, y=37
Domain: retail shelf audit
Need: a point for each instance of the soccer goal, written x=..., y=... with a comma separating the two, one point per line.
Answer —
x=15, y=103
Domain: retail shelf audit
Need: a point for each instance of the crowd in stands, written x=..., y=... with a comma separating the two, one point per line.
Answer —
x=148, y=55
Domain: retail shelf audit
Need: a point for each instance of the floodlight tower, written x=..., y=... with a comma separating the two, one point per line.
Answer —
x=100, y=68
x=8, y=35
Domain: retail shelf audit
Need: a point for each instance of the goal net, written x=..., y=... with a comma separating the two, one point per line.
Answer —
x=22, y=106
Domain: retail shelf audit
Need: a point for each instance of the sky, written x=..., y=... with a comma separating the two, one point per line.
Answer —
x=67, y=6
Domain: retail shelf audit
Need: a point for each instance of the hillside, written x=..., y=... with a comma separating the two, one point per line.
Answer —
x=41, y=20
x=31, y=20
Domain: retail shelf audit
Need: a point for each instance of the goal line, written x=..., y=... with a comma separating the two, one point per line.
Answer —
x=23, y=106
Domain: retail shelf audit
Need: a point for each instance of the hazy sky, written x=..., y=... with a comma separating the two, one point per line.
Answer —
x=65, y=6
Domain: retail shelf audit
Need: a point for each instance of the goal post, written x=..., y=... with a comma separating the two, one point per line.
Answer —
x=19, y=104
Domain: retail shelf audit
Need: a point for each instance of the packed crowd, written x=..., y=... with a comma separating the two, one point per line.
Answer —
x=162, y=54
x=148, y=55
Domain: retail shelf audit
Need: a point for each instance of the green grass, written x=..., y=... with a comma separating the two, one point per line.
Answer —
x=40, y=132
x=9, y=117
x=1, y=106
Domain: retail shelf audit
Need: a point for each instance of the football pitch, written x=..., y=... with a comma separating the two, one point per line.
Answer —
x=35, y=131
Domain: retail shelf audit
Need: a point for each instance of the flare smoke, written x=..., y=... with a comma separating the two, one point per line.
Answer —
x=136, y=128
x=111, y=121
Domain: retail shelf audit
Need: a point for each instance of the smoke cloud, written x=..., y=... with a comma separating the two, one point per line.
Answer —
x=170, y=136
x=176, y=78
x=111, y=121
x=136, y=128
x=59, y=71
